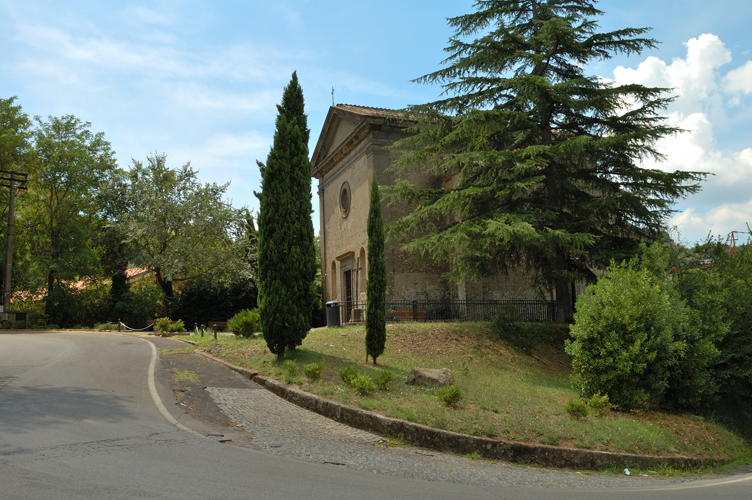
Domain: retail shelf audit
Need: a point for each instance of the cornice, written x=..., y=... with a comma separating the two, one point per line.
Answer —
x=346, y=147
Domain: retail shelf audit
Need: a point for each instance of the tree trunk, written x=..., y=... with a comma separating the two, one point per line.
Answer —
x=165, y=285
x=281, y=355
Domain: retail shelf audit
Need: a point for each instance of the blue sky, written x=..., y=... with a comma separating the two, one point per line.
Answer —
x=199, y=81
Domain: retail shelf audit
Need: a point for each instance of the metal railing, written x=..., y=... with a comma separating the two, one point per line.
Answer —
x=453, y=310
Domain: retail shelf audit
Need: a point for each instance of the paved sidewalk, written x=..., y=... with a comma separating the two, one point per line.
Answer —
x=282, y=428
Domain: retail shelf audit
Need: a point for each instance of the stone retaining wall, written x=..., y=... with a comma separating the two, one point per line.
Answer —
x=441, y=440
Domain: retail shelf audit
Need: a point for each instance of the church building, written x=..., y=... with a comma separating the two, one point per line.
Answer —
x=354, y=143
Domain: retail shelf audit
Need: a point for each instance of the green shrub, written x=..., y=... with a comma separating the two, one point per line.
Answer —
x=363, y=384
x=313, y=371
x=13, y=325
x=348, y=373
x=383, y=379
x=177, y=326
x=632, y=334
x=163, y=325
x=290, y=367
x=576, y=408
x=599, y=404
x=449, y=394
x=245, y=323
x=106, y=326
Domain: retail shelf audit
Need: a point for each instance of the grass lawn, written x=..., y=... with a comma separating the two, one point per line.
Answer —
x=507, y=394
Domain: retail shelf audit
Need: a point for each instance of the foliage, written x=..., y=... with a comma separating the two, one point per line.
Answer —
x=142, y=302
x=163, y=325
x=384, y=379
x=285, y=237
x=106, y=326
x=290, y=367
x=313, y=371
x=57, y=214
x=363, y=384
x=536, y=163
x=182, y=229
x=13, y=325
x=576, y=408
x=166, y=325
x=376, y=283
x=599, y=404
x=245, y=323
x=16, y=154
x=635, y=340
x=721, y=293
x=449, y=394
x=213, y=299
x=348, y=373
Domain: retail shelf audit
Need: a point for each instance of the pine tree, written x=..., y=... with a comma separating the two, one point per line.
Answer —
x=376, y=285
x=540, y=162
x=285, y=235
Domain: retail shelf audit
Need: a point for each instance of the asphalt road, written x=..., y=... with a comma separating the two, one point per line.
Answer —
x=88, y=415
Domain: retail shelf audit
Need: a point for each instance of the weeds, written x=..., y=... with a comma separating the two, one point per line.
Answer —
x=348, y=373
x=449, y=394
x=313, y=371
x=384, y=379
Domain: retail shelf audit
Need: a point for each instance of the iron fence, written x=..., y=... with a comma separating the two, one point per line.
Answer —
x=453, y=310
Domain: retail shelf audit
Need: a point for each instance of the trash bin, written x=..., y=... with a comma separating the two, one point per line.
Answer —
x=332, y=313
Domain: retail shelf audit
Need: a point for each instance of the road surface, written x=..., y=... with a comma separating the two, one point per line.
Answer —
x=88, y=415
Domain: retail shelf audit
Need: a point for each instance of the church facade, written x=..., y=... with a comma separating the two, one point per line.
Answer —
x=352, y=145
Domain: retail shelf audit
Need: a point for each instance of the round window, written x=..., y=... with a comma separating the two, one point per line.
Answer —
x=344, y=199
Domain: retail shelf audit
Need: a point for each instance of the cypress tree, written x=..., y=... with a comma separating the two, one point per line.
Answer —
x=540, y=161
x=286, y=256
x=376, y=285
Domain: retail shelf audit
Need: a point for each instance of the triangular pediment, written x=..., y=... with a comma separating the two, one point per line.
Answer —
x=334, y=133
x=345, y=126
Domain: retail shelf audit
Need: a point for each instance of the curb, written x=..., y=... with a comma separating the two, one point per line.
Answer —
x=441, y=440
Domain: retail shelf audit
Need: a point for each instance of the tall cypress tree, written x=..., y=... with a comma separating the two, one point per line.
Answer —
x=376, y=285
x=540, y=162
x=285, y=235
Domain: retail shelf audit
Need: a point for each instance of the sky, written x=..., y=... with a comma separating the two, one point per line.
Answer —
x=199, y=81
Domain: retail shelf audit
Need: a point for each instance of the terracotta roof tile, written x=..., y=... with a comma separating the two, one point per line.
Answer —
x=366, y=110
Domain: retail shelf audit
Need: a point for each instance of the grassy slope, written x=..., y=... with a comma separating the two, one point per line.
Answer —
x=507, y=394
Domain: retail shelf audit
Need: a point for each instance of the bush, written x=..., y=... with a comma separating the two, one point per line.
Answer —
x=576, y=408
x=449, y=394
x=163, y=325
x=106, y=326
x=599, y=404
x=13, y=325
x=166, y=325
x=245, y=323
x=290, y=367
x=383, y=379
x=633, y=334
x=363, y=384
x=313, y=371
x=348, y=373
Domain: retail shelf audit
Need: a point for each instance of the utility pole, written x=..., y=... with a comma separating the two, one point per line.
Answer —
x=13, y=181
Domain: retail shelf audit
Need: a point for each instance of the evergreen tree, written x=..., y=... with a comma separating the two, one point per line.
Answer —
x=376, y=285
x=540, y=162
x=285, y=236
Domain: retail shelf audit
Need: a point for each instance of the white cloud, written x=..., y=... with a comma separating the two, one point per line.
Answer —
x=725, y=202
x=739, y=80
x=693, y=79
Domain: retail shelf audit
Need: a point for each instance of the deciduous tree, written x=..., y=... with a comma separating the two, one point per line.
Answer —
x=58, y=213
x=182, y=228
